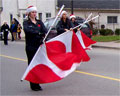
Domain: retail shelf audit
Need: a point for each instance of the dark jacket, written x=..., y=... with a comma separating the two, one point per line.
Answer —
x=61, y=26
x=34, y=34
x=5, y=28
x=13, y=28
x=74, y=25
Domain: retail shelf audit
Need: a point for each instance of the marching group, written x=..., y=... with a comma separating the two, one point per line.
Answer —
x=15, y=29
x=35, y=31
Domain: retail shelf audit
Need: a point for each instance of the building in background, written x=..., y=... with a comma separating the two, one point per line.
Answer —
x=46, y=8
x=109, y=11
x=10, y=9
x=17, y=9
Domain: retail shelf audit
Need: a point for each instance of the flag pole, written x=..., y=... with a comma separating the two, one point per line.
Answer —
x=53, y=22
x=86, y=22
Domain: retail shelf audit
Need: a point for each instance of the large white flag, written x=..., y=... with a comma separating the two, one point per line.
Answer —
x=56, y=59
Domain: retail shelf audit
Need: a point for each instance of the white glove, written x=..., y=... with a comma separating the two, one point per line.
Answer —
x=1, y=33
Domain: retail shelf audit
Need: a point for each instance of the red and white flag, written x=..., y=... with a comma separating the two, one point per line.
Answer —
x=84, y=40
x=56, y=59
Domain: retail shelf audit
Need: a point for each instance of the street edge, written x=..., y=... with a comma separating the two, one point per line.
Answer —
x=105, y=47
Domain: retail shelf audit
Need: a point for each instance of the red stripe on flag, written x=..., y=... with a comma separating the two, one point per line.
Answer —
x=78, y=49
x=56, y=52
x=59, y=58
x=87, y=41
x=42, y=74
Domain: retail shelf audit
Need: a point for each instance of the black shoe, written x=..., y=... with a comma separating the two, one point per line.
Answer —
x=37, y=88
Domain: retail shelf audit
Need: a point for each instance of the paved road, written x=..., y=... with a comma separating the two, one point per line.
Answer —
x=100, y=76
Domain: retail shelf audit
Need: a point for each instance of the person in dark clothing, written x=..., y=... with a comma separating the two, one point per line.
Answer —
x=64, y=24
x=72, y=18
x=34, y=33
x=1, y=34
x=5, y=29
x=13, y=29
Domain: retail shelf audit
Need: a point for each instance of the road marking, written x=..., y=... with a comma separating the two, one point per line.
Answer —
x=13, y=58
x=95, y=75
x=90, y=74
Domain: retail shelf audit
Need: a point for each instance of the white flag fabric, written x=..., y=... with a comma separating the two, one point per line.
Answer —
x=56, y=59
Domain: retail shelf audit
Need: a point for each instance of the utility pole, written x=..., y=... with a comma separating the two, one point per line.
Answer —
x=71, y=6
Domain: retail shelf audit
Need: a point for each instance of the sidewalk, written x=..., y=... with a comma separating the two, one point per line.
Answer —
x=109, y=45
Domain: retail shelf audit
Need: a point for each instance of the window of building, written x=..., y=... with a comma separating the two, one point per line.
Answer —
x=48, y=15
x=40, y=16
x=24, y=17
x=112, y=19
x=11, y=17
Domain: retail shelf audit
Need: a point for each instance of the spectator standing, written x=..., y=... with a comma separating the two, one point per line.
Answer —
x=19, y=30
x=13, y=29
x=5, y=29
x=1, y=34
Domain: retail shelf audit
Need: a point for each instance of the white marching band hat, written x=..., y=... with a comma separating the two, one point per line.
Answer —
x=72, y=16
x=31, y=8
x=63, y=12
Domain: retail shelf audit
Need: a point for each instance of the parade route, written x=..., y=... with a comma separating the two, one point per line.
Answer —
x=100, y=76
x=81, y=72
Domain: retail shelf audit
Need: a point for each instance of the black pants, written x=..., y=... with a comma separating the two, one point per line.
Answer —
x=19, y=33
x=30, y=55
x=1, y=36
x=12, y=37
x=6, y=38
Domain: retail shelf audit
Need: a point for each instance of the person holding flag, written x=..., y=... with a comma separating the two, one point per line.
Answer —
x=73, y=20
x=64, y=24
x=56, y=58
x=34, y=33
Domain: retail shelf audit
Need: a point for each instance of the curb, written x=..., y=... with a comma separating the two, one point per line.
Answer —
x=105, y=47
